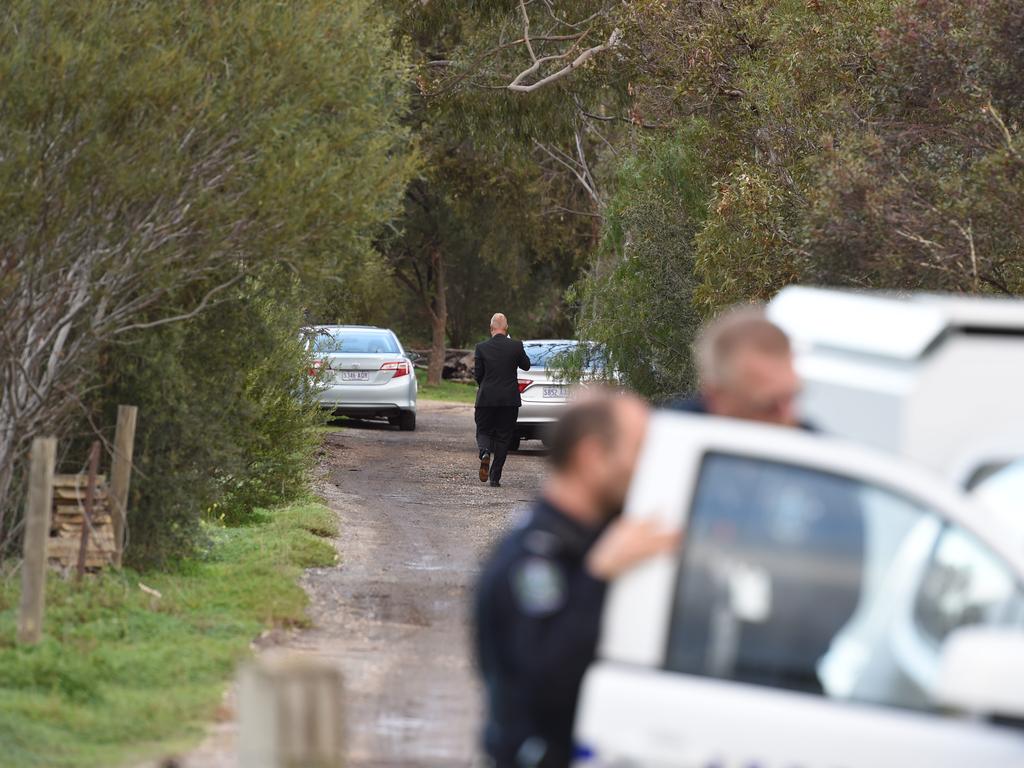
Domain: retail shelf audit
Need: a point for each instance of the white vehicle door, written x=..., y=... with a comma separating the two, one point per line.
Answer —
x=802, y=622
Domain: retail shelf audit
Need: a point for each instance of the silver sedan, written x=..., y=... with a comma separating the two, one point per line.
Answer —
x=363, y=371
x=543, y=388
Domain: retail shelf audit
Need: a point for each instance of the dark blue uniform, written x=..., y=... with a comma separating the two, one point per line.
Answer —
x=537, y=618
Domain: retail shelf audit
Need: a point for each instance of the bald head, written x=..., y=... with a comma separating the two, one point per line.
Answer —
x=499, y=323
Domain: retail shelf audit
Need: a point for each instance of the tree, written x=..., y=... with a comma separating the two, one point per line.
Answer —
x=163, y=158
x=491, y=221
x=743, y=94
x=926, y=194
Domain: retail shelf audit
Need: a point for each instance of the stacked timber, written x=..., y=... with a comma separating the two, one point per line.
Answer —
x=69, y=495
x=458, y=363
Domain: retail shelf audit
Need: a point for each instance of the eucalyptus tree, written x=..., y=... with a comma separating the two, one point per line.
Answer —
x=163, y=163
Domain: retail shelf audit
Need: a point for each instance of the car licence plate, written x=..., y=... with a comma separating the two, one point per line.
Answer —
x=554, y=393
x=355, y=375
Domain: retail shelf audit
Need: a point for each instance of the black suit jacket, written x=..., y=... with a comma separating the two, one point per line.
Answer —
x=494, y=367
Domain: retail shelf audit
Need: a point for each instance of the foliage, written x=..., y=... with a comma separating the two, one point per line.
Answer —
x=638, y=298
x=870, y=143
x=928, y=195
x=162, y=160
x=227, y=418
x=121, y=675
x=492, y=223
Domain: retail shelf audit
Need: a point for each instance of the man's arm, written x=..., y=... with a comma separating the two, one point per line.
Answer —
x=627, y=542
x=524, y=359
x=478, y=366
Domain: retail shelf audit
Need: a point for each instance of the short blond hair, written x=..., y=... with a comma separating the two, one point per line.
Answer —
x=741, y=328
x=499, y=322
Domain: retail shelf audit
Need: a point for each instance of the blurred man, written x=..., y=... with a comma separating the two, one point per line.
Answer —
x=495, y=368
x=539, y=599
x=745, y=367
x=746, y=371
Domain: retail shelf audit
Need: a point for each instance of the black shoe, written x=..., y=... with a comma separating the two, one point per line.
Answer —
x=495, y=484
x=485, y=466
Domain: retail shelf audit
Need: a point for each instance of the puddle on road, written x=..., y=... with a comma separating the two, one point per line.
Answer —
x=414, y=566
x=399, y=724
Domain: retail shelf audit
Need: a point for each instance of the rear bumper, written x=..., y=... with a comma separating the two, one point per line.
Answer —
x=537, y=418
x=361, y=400
x=366, y=410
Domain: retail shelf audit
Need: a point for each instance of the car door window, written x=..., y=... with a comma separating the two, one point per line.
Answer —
x=805, y=580
x=964, y=584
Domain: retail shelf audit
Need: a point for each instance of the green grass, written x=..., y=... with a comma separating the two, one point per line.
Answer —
x=120, y=675
x=446, y=391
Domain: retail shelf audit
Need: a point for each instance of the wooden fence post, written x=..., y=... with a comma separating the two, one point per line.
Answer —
x=42, y=460
x=121, y=475
x=290, y=714
x=90, y=500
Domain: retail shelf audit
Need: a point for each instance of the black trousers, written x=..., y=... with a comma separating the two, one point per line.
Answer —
x=495, y=428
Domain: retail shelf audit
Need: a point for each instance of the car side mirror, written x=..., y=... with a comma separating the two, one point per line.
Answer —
x=982, y=672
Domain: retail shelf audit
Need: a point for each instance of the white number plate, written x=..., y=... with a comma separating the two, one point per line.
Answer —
x=554, y=393
x=355, y=375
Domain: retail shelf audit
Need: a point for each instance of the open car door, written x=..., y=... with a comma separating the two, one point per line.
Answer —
x=803, y=621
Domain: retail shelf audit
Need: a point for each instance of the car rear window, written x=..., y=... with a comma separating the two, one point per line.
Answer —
x=547, y=354
x=332, y=342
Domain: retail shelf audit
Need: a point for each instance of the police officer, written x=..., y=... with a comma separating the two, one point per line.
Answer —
x=745, y=365
x=538, y=602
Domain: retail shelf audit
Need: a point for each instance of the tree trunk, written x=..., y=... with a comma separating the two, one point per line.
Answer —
x=439, y=320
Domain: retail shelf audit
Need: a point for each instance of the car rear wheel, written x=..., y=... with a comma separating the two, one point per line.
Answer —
x=514, y=445
x=407, y=421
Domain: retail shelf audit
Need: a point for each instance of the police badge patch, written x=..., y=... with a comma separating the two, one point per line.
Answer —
x=538, y=586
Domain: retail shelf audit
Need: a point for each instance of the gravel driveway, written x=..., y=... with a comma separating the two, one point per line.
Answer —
x=415, y=522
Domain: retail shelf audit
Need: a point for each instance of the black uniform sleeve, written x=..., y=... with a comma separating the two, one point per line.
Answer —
x=524, y=359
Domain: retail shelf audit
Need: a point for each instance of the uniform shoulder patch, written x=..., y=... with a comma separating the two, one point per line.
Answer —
x=539, y=586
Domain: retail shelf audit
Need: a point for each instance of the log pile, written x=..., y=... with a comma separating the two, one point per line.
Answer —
x=458, y=363
x=69, y=493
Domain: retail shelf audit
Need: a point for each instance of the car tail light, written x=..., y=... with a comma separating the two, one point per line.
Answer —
x=523, y=384
x=314, y=368
x=400, y=367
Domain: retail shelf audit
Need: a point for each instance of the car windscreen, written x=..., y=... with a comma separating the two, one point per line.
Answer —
x=344, y=341
x=550, y=354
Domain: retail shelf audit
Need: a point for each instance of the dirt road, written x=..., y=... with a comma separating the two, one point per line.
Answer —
x=415, y=522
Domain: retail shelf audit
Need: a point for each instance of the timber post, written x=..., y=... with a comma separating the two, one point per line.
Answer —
x=42, y=461
x=290, y=714
x=121, y=475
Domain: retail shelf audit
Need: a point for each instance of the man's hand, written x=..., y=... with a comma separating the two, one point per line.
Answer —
x=627, y=542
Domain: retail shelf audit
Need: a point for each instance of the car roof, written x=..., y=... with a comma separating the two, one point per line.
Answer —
x=896, y=326
x=555, y=341
x=347, y=328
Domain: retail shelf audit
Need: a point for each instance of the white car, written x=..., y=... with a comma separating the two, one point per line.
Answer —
x=831, y=607
x=364, y=372
x=543, y=389
x=936, y=378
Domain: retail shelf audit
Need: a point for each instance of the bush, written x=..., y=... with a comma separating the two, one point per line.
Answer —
x=227, y=420
x=178, y=176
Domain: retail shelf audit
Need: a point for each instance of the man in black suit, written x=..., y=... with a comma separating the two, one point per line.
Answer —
x=497, y=400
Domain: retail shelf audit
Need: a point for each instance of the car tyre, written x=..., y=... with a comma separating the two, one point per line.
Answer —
x=407, y=421
x=516, y=442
